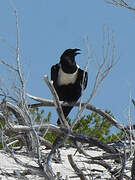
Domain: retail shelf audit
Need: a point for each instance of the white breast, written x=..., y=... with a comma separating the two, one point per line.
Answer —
x=65, y=78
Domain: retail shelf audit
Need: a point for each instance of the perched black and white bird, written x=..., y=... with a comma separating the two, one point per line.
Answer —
x=68, y=79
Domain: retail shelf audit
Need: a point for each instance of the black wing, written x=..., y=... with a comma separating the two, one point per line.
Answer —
x=82, y=78
x=54, y=73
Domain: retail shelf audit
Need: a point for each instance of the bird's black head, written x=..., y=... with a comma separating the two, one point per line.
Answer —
x=67, y=60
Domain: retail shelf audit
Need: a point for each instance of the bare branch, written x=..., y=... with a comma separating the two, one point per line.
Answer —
x=56, y=101
x=77, y=170
x=23, y=128
x=18, y=64
x=45, y=142
x=85, y=70
x=80, y=149
x=121, y=3
x=60, y=140
x=108, y=156
x=8, y=65
x=17, y=48
x=101, y=163
x=7, y=96
x=45, y=102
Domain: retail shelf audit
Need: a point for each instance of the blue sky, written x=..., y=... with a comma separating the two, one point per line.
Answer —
x=48, y=27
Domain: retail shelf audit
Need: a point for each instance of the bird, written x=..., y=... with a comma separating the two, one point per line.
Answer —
x=69, y=80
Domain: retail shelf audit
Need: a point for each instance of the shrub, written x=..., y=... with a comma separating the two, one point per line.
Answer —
x=97, y=126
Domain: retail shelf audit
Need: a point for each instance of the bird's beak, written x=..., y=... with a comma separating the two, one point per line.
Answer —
x=75, y=51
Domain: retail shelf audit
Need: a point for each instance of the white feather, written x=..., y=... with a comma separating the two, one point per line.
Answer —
x=66, y=78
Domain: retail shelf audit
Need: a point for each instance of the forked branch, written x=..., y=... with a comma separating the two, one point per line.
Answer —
x=108, y=61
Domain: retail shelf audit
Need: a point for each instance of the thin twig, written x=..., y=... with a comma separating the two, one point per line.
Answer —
x=10, y=97
x=120, y=3
x=8, y=65
x=85, y=70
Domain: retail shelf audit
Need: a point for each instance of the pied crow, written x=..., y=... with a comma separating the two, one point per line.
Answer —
x=68, y=79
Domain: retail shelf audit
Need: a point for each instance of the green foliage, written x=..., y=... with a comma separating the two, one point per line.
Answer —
x=38, y=116
x=50, y=136
x=2, y=124
x=97, y=126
